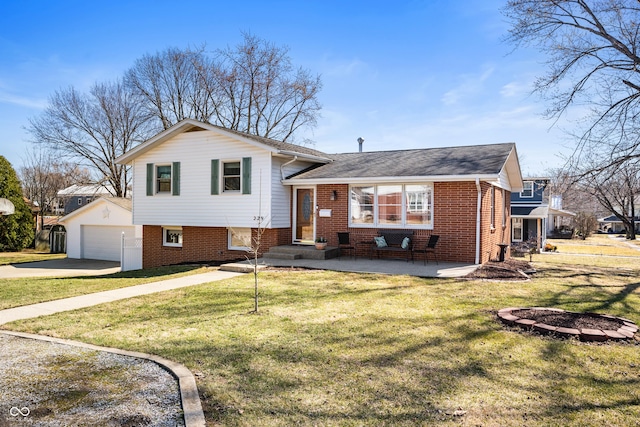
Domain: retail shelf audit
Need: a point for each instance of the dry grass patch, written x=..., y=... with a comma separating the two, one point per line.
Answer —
x=362, y=349
x=598, y=244
x=27, y=255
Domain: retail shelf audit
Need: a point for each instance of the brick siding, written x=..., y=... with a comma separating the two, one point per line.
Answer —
x=454, y=219
x=202, y=244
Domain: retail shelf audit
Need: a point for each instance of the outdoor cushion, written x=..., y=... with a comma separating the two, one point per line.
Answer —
x=380, y=241
x=405, y=243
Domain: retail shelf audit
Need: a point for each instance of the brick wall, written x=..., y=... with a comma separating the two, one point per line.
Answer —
x=201, y=244
x=454, y=220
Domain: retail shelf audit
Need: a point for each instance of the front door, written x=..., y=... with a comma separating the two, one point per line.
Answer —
x=304, y=220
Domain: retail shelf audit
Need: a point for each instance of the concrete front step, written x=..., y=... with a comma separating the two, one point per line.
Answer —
x=281, y=255
x=300, y=251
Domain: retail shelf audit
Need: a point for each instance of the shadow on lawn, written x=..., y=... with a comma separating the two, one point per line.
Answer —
x=138, y=274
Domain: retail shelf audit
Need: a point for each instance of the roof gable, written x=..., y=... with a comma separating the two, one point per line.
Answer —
x=190, y=125
x=115, y=202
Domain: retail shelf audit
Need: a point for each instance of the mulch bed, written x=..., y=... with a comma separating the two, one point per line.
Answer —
x=567, y=324
x=569, y=319
x=510, y=269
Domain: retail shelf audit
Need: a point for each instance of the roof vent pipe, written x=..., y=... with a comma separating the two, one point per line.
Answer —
x=360, y=141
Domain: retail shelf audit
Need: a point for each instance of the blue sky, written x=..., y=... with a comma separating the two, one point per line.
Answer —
x=402, y=74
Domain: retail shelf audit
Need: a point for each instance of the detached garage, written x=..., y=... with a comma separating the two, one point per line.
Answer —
x=95, y=230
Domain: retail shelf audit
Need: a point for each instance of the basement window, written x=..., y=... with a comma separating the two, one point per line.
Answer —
x=172, y=236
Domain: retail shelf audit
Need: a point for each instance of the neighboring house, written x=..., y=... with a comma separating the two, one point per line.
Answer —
x=77, y=196
x=613, y=224
x=199, y=189
x=95, y=230
x=532, y=218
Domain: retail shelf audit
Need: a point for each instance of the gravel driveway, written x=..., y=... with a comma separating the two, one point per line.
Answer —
x=50, y=384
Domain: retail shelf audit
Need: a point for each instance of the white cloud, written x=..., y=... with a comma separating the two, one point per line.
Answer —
x=471, y=85
x=7, y=98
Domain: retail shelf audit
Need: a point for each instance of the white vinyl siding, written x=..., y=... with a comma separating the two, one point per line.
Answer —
x=196, y=206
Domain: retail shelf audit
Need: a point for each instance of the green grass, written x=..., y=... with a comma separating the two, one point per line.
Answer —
x=361, y=349
x=22, y=291
x=28, y=255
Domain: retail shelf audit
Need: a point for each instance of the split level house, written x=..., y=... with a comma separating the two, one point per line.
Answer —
x=200, y=193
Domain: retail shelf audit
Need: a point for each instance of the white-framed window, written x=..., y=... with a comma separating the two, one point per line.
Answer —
x=163, y=179
x=492, y=195
x=527, y=189
x=392, y=205
x=505, y=208
x=172, y=236
x=231, y=177
x=516, y=229
x=79, y=201
x=240, y=238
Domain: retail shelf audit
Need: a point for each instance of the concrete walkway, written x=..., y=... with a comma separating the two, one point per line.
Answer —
x=82, y=301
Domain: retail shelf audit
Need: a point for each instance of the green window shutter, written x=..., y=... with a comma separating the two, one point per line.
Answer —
x=215, y=176
x=175, y=179
x=246, y=175
x=149, y=179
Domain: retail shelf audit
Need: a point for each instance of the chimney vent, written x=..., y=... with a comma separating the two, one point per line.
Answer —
x=360, y=141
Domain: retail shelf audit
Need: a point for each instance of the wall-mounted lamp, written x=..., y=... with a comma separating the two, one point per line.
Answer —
x=334, y=195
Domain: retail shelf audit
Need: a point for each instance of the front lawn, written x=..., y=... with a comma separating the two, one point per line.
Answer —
x=27, y=255
x=361, y=349
x=31, y=290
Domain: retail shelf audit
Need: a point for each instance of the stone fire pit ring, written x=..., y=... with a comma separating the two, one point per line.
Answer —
x=532, y=319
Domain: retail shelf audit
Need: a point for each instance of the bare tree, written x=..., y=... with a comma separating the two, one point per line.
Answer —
x=264, y=94
x=592, y=52
x=175, y=84
x=94, y=129
x=252, y=88
x=43, y=174
x=585, y=224
x=616, y=190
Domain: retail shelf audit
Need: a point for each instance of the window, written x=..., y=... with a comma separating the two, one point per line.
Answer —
x=516, y=229
x=527, y=189
x=397, y=205
x=240, y=238
x=362, y=205
x=505, y=208
x=390, y=204
x=163, y=179
x=492, y=193
x=79, y=201
x=172, y=236
x=231, y=176
x=418, y=204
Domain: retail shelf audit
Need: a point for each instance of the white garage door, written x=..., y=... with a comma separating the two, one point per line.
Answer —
x=103, y=242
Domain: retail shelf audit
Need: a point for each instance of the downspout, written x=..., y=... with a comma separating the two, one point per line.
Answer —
x=285, y=164
x=478, y=218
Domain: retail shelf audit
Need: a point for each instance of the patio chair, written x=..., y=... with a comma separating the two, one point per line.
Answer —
x=430, y=248
x=344, y=244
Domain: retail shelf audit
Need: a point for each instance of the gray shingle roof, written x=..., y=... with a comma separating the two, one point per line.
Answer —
x=450, y=161
x=278, y=145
